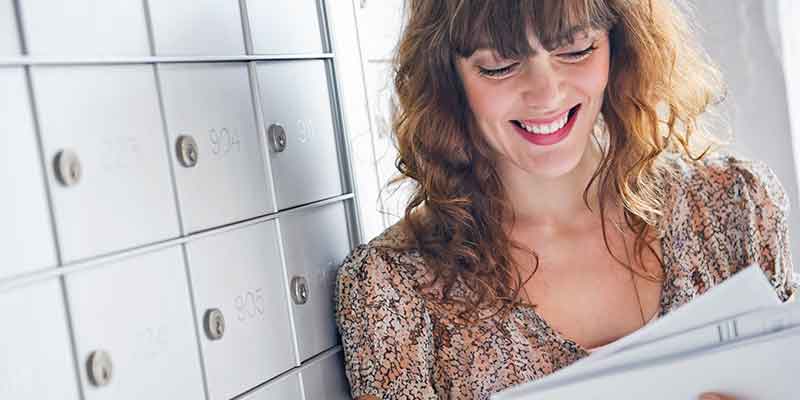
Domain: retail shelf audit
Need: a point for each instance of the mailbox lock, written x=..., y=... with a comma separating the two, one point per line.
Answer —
x=277, y=137
x=99, y=368
x=186, y=148
x=68, y=168
x=299, y=290
x=215, y=324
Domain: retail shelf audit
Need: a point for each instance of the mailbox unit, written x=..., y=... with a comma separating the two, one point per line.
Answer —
x=180, y=199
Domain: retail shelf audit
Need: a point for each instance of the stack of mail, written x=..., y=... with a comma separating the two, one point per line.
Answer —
x=737, y=339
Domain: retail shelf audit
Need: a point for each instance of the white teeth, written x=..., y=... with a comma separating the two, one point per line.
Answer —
x=546, y=129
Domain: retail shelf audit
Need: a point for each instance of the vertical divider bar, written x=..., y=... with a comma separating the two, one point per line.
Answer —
x=197, y=328
x=261, y=127
x=21, y=39
x=285, y=274
x=246, y=31
x=151, y=41
x=62, y=279
x=343, y=140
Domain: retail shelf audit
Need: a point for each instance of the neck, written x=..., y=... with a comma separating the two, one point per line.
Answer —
x=554, y=204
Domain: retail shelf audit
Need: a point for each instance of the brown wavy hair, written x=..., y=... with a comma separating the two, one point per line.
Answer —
x=660, y=82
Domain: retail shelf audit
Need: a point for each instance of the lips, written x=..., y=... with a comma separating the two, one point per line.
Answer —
x=551, y=138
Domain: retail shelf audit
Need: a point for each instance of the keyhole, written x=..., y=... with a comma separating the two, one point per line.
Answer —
x=74, y=171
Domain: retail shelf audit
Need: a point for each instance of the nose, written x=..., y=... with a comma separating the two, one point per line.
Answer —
x=542, y=91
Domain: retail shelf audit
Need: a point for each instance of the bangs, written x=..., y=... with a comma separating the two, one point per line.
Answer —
x=503, y=25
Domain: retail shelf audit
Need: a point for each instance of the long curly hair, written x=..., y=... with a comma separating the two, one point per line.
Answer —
x=660, y=82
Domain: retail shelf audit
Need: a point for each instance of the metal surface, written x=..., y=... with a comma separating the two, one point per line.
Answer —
x=303, y=107
x=128, y=200
x=193, y=27
x=214, y=322
x=99, y=368
x=315, y=244
x=85, y=28
x=67, y=168
x=287, y=387
x=324, y=378
x=138, y=310
x=187, y=151
x=9, y=38
x=277, y=137
x=24, y=200
x=285, y=27
x=213, y=103
x=240, y=272
x=36, y=360
x=299, y=290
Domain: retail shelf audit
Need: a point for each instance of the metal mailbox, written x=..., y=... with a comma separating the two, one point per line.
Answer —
x=109, y=173
x=316, y=241
x=296, y=104
x=26, y=239
x=241, y=308
x=215, y=146
x=197, y=27
x=133, y=327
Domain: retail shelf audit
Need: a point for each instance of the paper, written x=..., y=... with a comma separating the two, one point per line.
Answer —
x=759, y=368
x=745, y=305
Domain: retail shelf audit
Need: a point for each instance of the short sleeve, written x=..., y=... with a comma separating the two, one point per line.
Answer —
x=385, y=328
x=761, y=224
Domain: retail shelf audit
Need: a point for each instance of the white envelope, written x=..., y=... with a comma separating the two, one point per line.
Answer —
x=758, y=368
x=746, y=291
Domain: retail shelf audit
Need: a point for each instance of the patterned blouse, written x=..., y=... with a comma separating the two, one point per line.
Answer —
x=722, y=214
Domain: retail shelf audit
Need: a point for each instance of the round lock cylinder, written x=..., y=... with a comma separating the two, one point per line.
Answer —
x=187, y=151
x=68, y=168
x=214, y=324
x=99, y=368
x=277, y=136
x=299, y=290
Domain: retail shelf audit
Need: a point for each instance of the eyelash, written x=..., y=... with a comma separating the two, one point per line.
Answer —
x=572, y=57
x=580, y=55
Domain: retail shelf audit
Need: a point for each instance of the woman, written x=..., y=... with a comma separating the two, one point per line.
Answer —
x=560, y=199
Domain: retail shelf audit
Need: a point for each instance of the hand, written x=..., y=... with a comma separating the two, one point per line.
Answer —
x=715, y=396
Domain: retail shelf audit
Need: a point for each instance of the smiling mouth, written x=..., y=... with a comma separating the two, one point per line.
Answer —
x=547, y=129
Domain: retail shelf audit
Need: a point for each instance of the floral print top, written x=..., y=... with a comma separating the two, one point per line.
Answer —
x=722, y=214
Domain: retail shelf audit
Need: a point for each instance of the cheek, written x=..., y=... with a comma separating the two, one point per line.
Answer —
x=485, y=101
x=595, y=77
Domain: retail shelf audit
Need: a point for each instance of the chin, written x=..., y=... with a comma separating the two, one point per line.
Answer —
x=560, y=162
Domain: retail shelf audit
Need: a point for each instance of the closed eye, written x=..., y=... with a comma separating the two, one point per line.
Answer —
x=579, y=55
x=497, y=72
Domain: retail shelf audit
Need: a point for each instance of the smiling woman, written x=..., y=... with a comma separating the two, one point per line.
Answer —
x=565, y=194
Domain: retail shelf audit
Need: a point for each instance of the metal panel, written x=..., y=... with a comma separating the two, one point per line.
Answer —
x=108, y=117
x=35, y=356
x=9, y=35
x=138, y=312
x=285, y=388
x=212, y=103
x=85, y=28
x=26, y=240
x=239, y=273
x=197, y=27
x=324, y=379
x=295, y=96
x=285, y=27
x=316, y=243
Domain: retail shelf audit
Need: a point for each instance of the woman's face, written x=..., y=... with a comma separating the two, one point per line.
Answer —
x=538, y=113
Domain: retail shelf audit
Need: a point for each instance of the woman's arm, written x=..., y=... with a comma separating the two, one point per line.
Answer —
x=387, y=334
